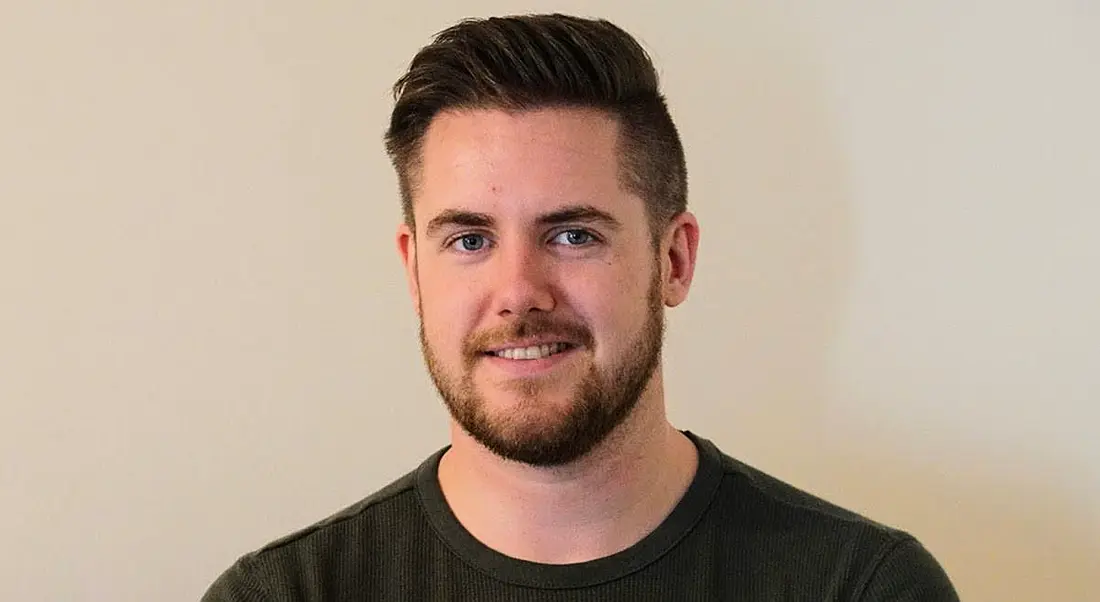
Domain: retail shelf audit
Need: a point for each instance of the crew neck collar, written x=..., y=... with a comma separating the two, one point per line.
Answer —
x=687, y=512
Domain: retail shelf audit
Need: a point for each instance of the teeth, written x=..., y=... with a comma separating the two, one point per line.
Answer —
x=533, y=352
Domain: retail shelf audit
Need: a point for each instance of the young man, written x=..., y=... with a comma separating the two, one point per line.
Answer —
x=544, y=193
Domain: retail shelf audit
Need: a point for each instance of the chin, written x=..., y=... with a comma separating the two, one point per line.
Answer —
x=504, y=407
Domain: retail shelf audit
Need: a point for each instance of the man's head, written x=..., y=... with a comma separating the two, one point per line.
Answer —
x=544, y=195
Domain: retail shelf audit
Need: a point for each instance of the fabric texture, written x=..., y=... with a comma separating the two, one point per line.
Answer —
x=737, y=534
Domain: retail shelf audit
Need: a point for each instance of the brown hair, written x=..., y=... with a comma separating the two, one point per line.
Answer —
x=535, y=61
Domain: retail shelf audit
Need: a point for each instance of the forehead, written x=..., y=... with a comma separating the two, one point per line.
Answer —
x=505, y=161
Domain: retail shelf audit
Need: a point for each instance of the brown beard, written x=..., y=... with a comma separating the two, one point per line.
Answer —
x=602, y=401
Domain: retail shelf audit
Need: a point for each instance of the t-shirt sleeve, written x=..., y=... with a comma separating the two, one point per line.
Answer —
x=907, y=572
x=236, y=584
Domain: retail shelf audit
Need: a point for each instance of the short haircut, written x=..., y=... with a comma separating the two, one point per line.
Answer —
x=529, y=62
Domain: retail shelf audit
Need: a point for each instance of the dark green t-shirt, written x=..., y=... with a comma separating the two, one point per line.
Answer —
x=737, y=534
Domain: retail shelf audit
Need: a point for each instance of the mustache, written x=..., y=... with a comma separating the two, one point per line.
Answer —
x=530, y=325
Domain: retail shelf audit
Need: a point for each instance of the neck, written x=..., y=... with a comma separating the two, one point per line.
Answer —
x=601, y=504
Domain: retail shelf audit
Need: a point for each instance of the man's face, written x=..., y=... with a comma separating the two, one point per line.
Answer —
x=536, y=281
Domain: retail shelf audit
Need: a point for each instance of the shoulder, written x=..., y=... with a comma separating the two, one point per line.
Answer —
x=761, y=492
x=303, y=559
x=906, y=572
x=394, y=502
x=864, y=558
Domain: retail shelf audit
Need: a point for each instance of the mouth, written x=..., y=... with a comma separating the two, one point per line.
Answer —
x=530, y=352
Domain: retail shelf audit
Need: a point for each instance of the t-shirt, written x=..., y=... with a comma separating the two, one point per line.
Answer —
x=736, y=534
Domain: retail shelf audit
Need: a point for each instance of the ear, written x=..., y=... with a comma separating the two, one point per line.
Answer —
x=406, y=247
x=678, y=251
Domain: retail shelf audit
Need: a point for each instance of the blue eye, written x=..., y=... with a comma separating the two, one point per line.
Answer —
x=574, y=238
x=470, y=242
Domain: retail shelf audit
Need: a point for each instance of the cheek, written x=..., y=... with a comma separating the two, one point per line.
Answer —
x=615, y=311
x=448, y=310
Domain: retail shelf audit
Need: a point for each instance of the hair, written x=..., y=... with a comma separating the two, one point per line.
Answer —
x=527, y=62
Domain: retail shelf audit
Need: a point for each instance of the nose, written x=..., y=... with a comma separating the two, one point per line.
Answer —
x=523, y=281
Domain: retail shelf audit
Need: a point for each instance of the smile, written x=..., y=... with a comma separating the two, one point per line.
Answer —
x=533, y=352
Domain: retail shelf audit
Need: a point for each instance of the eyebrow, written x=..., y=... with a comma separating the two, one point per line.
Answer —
x=580, y=213
x=457, y=217
x=472, y=219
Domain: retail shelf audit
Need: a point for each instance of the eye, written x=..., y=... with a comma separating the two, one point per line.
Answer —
x=574, y=238
x=469, y=243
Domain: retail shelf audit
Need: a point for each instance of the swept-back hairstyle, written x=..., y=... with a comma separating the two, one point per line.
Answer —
x=536, y=61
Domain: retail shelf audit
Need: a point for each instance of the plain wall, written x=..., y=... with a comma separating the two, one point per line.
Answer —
x=206, y=340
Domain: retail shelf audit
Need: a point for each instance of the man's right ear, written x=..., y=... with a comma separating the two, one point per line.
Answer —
x=406, y=247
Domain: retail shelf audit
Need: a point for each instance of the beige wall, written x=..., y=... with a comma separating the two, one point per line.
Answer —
x=205, y=340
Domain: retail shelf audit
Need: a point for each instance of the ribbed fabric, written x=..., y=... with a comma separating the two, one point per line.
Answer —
x=737, y=534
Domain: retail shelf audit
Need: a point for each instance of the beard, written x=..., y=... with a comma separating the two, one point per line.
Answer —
x=601, y=400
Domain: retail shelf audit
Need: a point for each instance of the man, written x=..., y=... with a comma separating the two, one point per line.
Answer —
x=545, y=230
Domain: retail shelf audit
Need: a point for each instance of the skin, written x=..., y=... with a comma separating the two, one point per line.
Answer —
x=525, y=235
